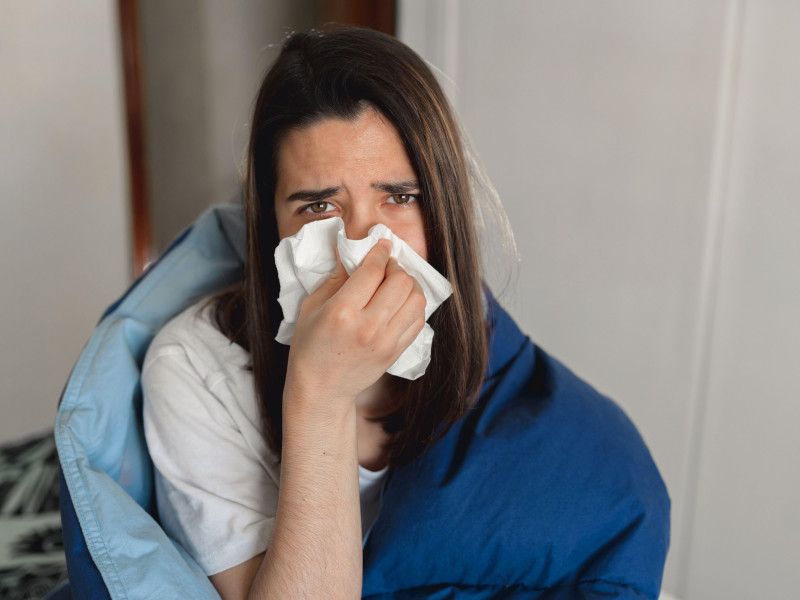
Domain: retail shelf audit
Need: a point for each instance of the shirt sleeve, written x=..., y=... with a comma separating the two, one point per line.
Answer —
x=213, y=494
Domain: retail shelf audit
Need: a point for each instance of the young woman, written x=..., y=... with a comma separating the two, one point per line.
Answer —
x=270, y=460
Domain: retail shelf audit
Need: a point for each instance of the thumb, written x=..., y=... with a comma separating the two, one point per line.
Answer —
x=331, y=285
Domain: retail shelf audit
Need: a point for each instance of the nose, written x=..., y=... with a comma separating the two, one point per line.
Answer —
x=357, y=222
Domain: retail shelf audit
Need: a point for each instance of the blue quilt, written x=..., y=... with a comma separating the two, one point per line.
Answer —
x=544, y=490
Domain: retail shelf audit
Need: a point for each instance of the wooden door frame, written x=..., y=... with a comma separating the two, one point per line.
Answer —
x=141, y=236
x=375, y=14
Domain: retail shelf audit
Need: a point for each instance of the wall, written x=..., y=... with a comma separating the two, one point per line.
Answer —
x=64, y=216
x=646, y=155
x=203, y=62
x=744, y=535
x=63, y=211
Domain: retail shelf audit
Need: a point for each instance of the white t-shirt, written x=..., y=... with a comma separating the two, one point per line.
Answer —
x=216, y=478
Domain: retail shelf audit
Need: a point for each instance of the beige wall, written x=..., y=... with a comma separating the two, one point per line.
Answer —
x=64, y=251
x=203, y=61
x=647, y=156
x=744, y=537
x=64, y=216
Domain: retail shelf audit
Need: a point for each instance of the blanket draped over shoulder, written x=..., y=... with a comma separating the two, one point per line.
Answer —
x=544, y=490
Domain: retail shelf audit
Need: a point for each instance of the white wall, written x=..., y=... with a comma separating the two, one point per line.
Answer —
x=64, y=251
x=64, y=215
x=203, y=61
x=64, y=220
x=744, y=538
x=647, y=156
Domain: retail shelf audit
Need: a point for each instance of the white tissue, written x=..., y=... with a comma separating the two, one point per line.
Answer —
x=306, y=259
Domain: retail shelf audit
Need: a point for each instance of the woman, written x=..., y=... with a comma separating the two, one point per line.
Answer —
x=270, y=460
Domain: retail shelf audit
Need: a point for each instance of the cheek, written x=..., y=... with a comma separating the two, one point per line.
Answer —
x=286, y=225
x=285, y=231
x=414, y=237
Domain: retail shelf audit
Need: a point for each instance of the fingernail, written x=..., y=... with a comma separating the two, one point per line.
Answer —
x=385, y=243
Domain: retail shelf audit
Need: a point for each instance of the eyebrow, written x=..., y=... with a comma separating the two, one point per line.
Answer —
x=397, y=187
x=390, y=187
x=313, y=195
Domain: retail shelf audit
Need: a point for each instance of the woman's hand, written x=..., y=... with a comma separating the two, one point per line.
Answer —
x=348, y=334
x=352, y=329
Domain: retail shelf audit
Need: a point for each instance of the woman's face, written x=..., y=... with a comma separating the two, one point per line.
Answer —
x=357, y=170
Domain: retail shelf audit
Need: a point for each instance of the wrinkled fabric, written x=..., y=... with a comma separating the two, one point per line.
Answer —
x=110, y=535
x=544, y=490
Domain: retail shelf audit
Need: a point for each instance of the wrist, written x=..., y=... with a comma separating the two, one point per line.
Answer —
x=311, y=404
x=318, y=433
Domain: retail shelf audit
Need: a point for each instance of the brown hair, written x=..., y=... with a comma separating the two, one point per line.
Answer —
x=335, y=75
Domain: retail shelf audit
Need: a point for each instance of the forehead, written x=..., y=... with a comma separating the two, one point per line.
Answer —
x=331, y=148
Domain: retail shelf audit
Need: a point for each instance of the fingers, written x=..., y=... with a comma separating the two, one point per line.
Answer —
x=367, y=278
x=393, y=311
x=382, y=299
x=392, y=293
x=409, y=319
x=330, y=286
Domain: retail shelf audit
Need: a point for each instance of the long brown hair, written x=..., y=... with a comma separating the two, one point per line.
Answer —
x=335, y=75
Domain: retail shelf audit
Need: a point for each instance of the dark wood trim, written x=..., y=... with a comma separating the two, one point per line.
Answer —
x=375, y=14
x=134, y=113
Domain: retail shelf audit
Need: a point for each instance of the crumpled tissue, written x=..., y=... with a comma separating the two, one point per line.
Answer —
x=306, y=259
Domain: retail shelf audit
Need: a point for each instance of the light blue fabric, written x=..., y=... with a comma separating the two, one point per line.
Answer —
x=98, y=429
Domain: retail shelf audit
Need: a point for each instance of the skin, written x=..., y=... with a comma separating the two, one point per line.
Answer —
x=349, y=333
x=357, y=158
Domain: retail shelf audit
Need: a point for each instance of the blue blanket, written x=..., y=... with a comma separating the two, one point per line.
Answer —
x=545, y=490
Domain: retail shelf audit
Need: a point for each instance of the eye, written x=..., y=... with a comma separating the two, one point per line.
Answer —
x=318, y=207
x=403, y=198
